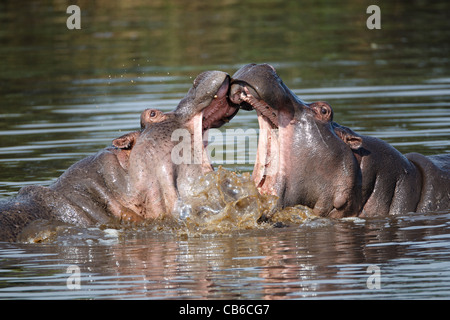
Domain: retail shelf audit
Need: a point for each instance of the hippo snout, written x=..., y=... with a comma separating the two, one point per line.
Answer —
x=239, y=91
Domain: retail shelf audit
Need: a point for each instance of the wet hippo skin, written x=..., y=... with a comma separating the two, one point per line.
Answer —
x=136, y=178
x=306, y=158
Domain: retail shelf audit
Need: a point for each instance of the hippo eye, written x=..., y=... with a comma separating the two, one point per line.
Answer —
x=324, y=110
x=152, y=114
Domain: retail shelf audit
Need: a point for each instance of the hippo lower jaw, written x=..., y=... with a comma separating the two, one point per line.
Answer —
x=267, y=163
x=268, y=172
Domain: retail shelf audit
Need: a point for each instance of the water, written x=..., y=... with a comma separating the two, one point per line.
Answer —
x=65, y=94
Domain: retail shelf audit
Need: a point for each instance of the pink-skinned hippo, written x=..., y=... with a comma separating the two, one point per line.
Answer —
x=136, y=179
x=305, y=158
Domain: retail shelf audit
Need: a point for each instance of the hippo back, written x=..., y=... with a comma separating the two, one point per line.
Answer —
x=435, y=172
x=442, y=161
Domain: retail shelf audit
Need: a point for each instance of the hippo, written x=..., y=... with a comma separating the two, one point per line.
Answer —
x=135, y=179
x=305, y=158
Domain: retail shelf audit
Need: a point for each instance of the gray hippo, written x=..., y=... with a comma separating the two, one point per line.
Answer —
x=305, y=158
x=139, y=177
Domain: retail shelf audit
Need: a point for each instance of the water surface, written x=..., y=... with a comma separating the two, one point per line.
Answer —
x=65, y=94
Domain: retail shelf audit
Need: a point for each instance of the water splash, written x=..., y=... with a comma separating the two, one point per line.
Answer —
x=224, y=201
x=219, y=202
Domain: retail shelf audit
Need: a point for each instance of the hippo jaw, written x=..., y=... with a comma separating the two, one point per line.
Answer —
x=258, y=87
x=267, y=171
x=206, y=106
x=207, y=100
x=219, y=111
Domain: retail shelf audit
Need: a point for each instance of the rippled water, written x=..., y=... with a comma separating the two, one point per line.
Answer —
x=66, y=94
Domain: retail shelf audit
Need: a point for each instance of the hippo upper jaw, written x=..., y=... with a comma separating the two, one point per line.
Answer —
x=206, y=106
x=219, y=111
x=209, y=98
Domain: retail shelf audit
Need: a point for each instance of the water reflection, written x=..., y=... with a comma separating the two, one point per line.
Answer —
x=322, y=259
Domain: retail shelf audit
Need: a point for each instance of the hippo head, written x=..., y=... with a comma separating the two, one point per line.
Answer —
x=303, y=157
x=165, y=157
x=127, y=141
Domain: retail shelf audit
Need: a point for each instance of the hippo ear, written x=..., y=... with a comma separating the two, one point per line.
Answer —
x=353, y=140
x=126, y=141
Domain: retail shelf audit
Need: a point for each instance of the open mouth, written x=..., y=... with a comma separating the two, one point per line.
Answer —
x=219, y=111
x=268, y=157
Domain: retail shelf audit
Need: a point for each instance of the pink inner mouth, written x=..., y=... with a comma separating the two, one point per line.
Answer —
x=219, y=111
x=267, y=164
x=268, y=158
